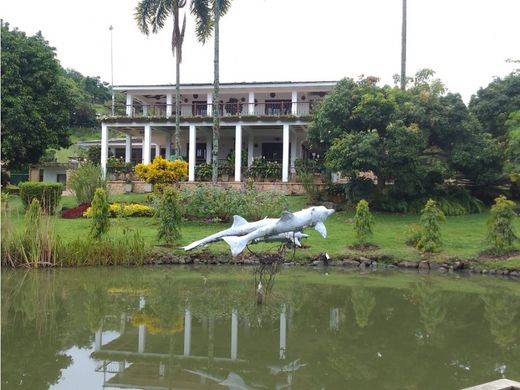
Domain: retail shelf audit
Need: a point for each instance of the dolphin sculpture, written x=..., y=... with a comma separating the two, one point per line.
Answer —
x=241, y=227
x=288, y=222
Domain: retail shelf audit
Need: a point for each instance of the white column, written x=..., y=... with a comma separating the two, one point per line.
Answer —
x=122, y=324
x=234, y=334
x=285, y=155
x=145, y=109
x=169, y=104
x=208, y=148
x=98, y=340
x=147, y=143
x=209, y=100
x=251, y=106
x=283, y=332
x=294, y=105
x=238, y=152
x=187, y=332
x=157, y=150
x=104, y=148
x=168, y=152
x=128, y=148
x=129, y=104
x=191, y=154
x=250, y=149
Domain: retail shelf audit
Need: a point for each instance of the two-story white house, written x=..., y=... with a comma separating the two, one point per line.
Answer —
x=257, y=119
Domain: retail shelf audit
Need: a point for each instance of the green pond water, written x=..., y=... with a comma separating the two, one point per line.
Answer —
x=201, y=328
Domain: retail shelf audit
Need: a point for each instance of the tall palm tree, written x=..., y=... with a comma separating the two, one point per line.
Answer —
x=403, y=48
x=152, y=15
x=207, y=15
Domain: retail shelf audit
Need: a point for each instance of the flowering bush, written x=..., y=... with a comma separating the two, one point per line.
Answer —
x=162, y=171
x=75, y=212
x=125, y=210
x=153, y=324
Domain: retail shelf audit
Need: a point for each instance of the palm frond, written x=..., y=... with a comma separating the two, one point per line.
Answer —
x=224, y=6
x=141, y=15
x=203, y=13
x=162, y=11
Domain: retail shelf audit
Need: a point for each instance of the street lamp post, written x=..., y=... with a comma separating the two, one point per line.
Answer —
x=112, y=69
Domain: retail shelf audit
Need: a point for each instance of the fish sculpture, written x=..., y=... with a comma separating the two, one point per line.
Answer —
x=289, y=222
x=241, y=227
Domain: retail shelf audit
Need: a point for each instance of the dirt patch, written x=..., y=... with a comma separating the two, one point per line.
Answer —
x=490, y=255
x=364, y=247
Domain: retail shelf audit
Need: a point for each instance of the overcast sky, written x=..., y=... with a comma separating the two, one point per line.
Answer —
x=465, y=41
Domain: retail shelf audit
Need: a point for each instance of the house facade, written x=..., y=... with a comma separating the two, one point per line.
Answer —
x=257, y=120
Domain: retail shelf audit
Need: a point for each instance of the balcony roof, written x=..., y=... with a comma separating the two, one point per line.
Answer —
x=237, y=86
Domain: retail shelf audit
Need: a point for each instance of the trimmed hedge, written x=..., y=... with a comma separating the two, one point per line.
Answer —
x=48, y=194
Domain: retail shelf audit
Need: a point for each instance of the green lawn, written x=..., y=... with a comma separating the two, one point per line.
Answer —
x=462, y=236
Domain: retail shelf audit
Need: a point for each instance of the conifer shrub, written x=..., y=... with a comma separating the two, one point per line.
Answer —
x=47, y=194
x=169, y=215
x=430, y=235
x=501, y=233
x=363, y=222
x=100, y=214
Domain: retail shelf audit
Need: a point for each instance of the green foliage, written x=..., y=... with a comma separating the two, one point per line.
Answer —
x=363, y=222
x=84, y=181
x=217, y=203
x=501, y=232
x=431, y=218
x=203, y=171
x=513, y=143
x=94, y=154
x=36, y=100
x=493, y=104
x=48, y=194
x=169, y=215
x=100, y=214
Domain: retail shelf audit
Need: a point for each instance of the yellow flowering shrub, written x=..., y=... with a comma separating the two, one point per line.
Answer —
x=153, y=325
x=161, y=171
x=125, y=210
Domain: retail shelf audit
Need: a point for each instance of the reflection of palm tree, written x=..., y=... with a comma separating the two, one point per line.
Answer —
x=363, y=302
x=501, y=310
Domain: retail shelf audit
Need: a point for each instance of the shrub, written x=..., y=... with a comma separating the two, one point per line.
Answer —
x=100, y=223
x=85, y=180
x=75, y=212
x=48, y=194
x=501, y=233
x=430, y=236
x=169, y=216
x=363, y=222
x=162, y=171
x=203, y=171
x=124, y=210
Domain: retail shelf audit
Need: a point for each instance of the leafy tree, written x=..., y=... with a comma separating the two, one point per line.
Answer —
x=207, y=15
x=501, y=232
x=169, y=215
x=152, y=15
x=493, y=104
x=100, y=214
x=430, y=235
x=363, y=222
x=36, y=100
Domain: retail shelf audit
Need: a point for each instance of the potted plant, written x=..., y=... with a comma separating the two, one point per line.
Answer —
x=258, y=168
x=273, y=170
x=225, y=170
x=203, y=172
x=128, y=183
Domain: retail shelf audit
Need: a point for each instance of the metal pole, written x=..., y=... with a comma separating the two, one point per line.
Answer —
x=112, y=68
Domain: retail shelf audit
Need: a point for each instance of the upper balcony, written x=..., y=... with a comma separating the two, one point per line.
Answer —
x=243, y=101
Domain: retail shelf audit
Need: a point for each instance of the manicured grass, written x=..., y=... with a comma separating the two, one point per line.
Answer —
x=463, y=236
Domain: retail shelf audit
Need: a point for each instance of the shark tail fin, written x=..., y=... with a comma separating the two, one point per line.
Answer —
x=193, y=245
x=236, y=244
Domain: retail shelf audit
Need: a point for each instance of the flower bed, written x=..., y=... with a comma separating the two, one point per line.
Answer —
x=75, y=212
x=125, y=210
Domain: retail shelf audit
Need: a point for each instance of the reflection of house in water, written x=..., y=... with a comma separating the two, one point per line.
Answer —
x=205, y=350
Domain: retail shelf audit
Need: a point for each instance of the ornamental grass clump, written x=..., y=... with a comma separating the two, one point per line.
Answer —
x=100, y=214
x=363, y=222
x=501, y=233
x=169, y=215
x=84, y=181
x=430, y=235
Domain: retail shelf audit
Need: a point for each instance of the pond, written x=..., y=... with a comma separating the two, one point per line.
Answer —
x=202, y=328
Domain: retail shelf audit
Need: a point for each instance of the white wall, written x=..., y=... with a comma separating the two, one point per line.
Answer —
x=50, y=173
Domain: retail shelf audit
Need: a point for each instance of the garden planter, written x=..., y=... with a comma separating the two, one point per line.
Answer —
x=128, y=187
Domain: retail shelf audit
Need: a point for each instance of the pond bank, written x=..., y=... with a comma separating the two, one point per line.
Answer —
x=362, y=262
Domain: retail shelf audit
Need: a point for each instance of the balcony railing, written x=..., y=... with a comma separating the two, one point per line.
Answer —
x=230, y=109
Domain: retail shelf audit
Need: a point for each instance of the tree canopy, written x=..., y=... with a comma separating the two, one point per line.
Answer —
x=36, y=99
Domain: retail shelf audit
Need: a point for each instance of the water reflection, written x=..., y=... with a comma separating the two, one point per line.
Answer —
x=167, y=328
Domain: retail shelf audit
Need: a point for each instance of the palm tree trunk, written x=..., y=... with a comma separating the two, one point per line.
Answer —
x=403, y=48
x=177, y=108
x=216, y=103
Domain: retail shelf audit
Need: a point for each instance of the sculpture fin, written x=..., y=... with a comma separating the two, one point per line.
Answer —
x=236, y=244
x=320, y=228
x=193, y=245
x=238, y=221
